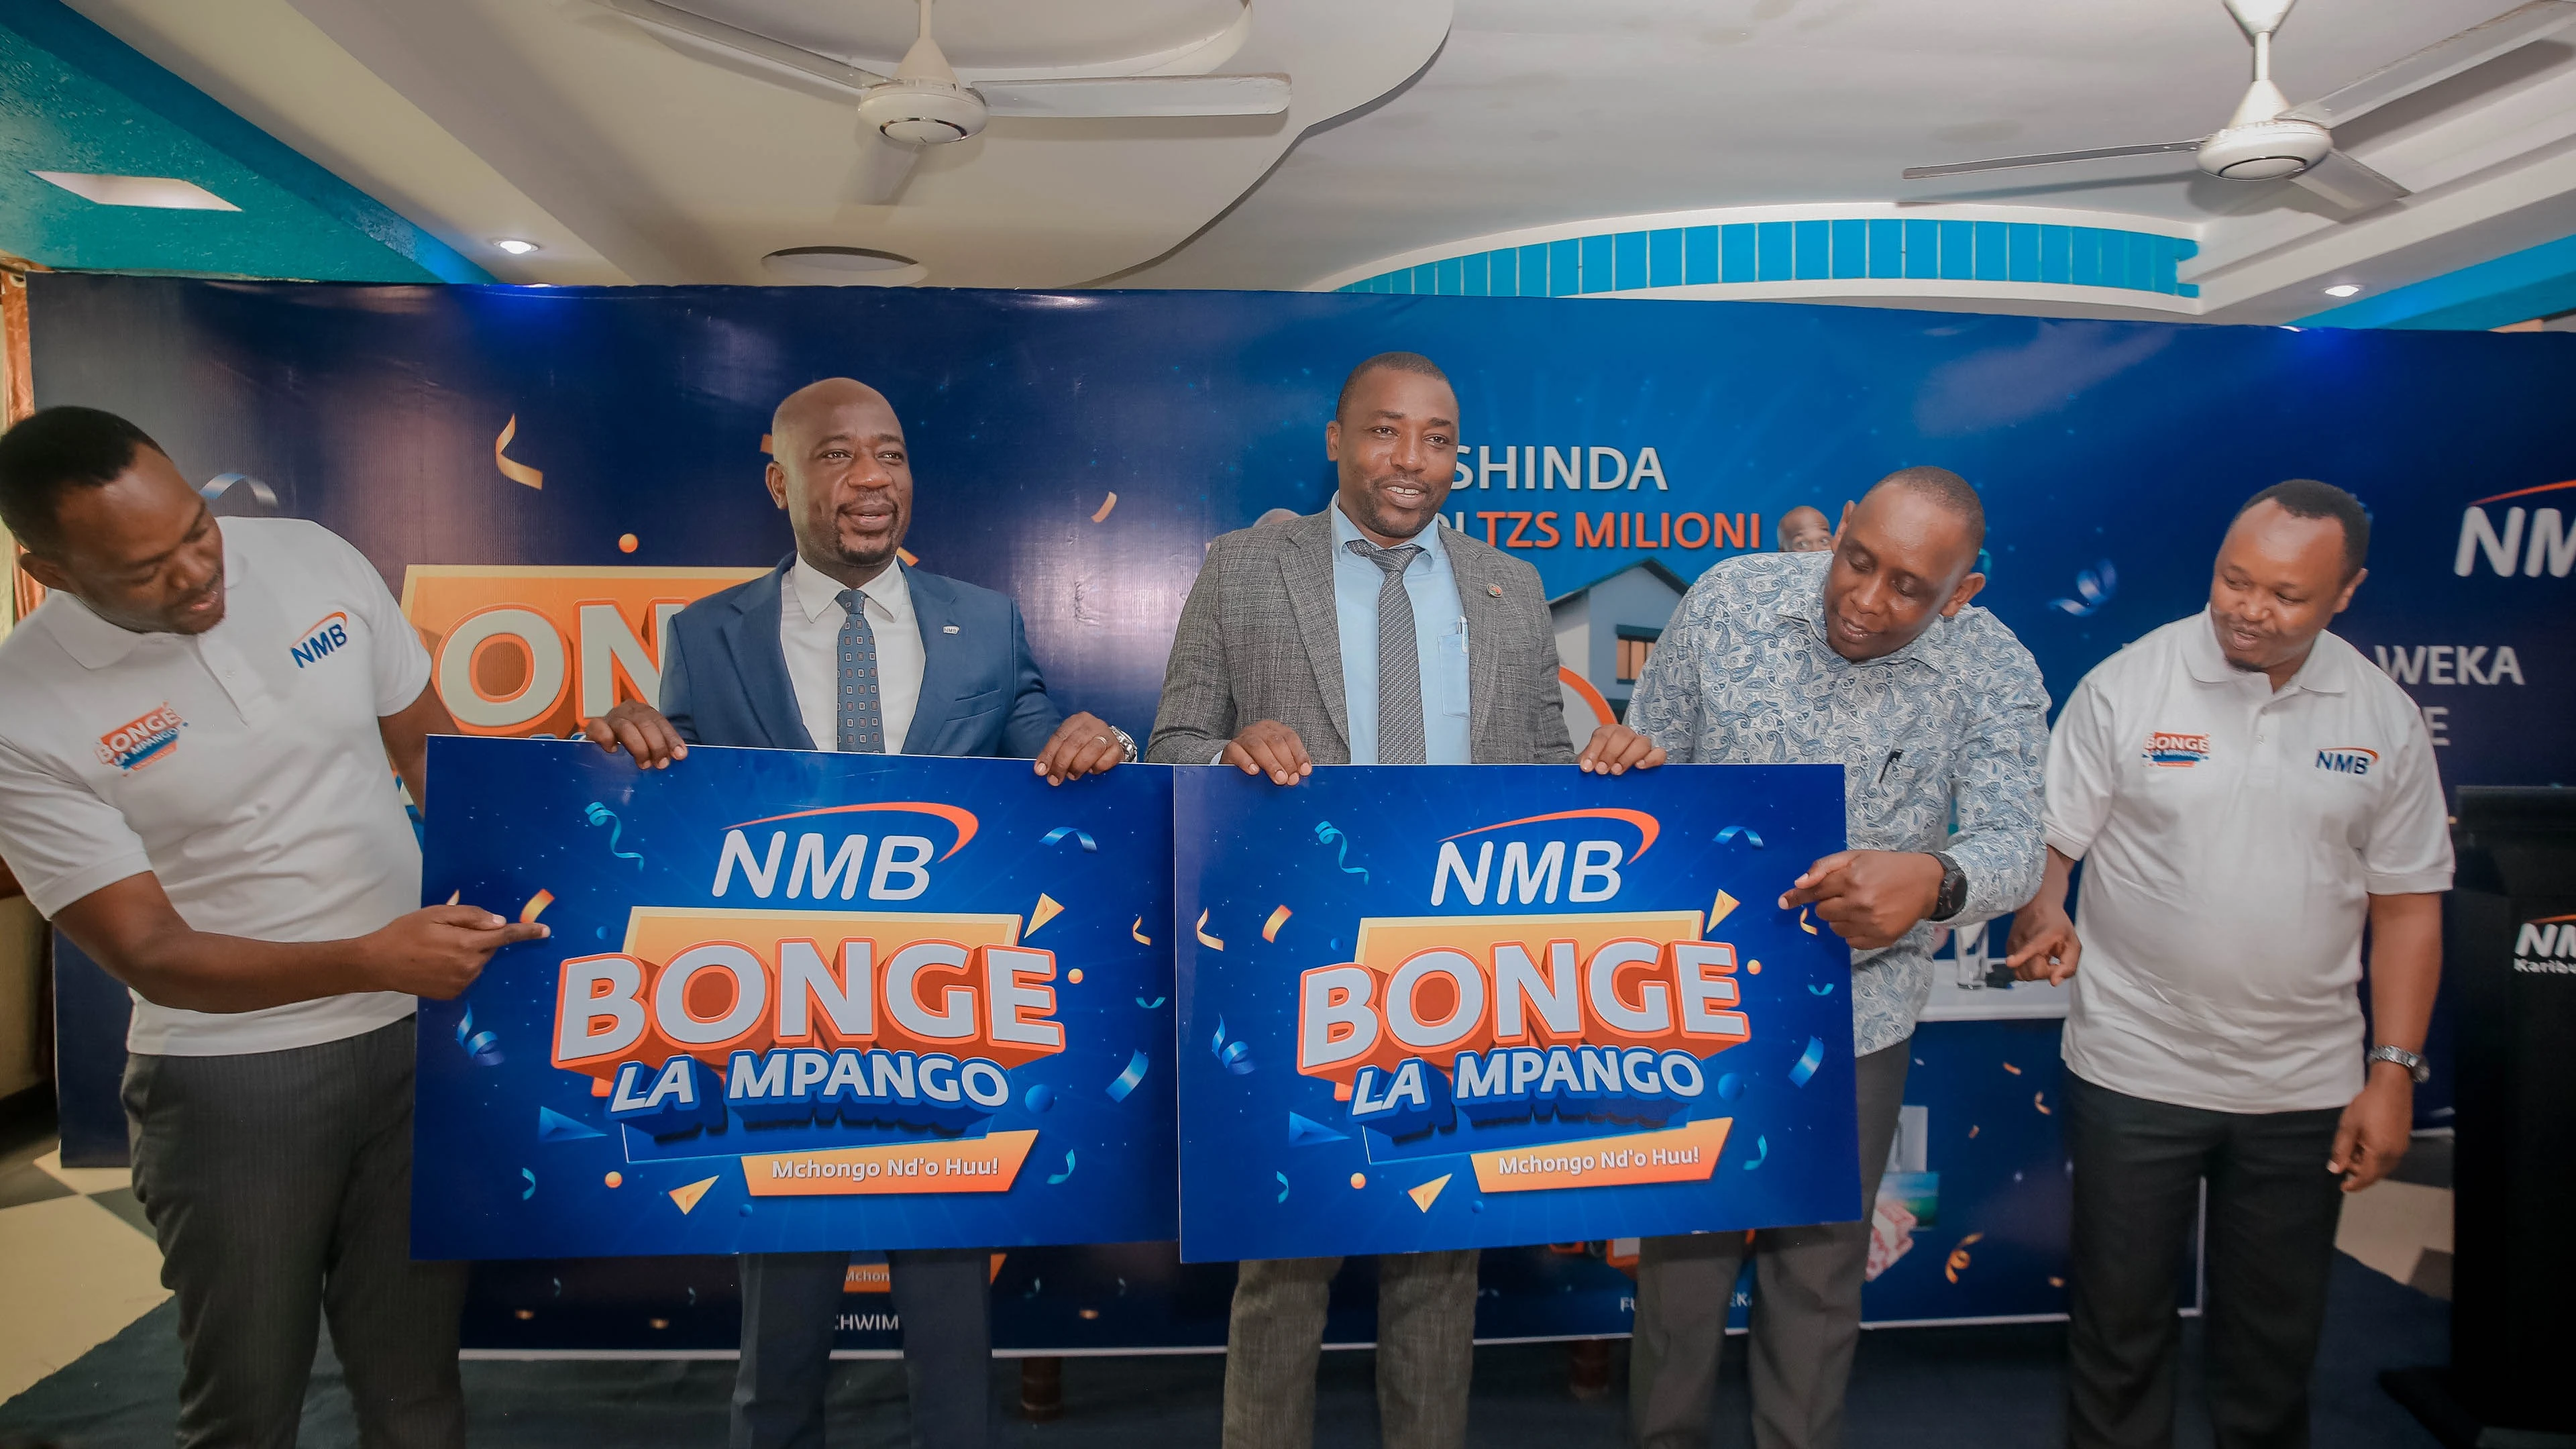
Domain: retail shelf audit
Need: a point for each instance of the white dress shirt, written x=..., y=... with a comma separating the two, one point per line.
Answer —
x=2232, y=836
x=809, y=634
x=241, y=766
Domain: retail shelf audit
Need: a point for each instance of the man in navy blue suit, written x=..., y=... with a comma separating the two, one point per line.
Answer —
x=843, y=648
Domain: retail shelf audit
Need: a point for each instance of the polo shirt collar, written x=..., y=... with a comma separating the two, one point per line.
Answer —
x=97, y=644
x=2324, y=672
x=1807, y=606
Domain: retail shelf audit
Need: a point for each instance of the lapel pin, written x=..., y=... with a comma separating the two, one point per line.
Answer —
x=1494, y=589
x=947, y=628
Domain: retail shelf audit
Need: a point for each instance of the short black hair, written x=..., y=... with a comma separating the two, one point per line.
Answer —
x=2308, y=498
x=1412, y=362
x=52, y=451
x=1947, y=489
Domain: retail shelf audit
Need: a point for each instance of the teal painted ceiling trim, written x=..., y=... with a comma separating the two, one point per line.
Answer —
x=75, y=98
x=1799, y=251
x=2534, y=282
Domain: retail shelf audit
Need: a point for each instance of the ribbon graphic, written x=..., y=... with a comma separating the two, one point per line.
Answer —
x=515, y=472
x=598, y=814
x=1327, y=833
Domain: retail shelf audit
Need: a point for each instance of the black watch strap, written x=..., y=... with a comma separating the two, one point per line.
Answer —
x=1954, y=888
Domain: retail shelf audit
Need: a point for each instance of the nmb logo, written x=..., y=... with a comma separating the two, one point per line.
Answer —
x=1534, y=870
x=2546, y=946
x=2528, y=542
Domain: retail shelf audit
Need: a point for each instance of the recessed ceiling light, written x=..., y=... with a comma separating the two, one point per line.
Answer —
x=844, y=267
x=2343, y=289
x=514, y=246
x=167, y=193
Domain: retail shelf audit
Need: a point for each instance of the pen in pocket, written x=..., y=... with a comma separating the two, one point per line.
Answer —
x=1892, y=757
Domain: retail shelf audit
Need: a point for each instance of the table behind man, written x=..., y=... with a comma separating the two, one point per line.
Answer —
x=842, y=648
x=2247, y=792
x=1342, y=638
x=1869, y=657
x=200, y=802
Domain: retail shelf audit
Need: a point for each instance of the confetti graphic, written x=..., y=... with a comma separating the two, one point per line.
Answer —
x=2094, y=587
x=1722, y=908
x=1234, y=1056
x=532, y=1184
x=1326, y=833
x=1040, y=1098
x=1959, y=1257
x=2016, y=1071
x=1101, y=515
x=1304, y=1131
x=1804, y=924
x=554, y=1126
x=481, y=1047
x=1138, y=932
x=1808, y=1060
x=2040, y=1100
x=1047, y=909
x=1055, y=1177
x=1751, y=836
x=1278, y=918
x=1761, y=1153
x=1429, y=1192
x=1061, y=831
x=1825, y=990
x=536, y=905
x=1211, y=942
x=1730, y=1086
x=1128, y=1079
x=515, y=472
x=1283, y=1185
x=598, y=814
x=1150, y=1005
x=686, y=1198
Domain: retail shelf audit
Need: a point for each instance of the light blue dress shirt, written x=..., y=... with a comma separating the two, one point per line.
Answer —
x=1439, y=641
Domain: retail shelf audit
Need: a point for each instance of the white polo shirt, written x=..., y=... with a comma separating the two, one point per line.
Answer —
x=2231, y=837
x=242, y=766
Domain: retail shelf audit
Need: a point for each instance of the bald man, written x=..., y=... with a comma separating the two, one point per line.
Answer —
x=842, y=648
x=1804, y=530
x=1870, y=657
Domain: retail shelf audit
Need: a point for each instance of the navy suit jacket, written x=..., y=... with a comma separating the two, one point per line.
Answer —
x=724, y=678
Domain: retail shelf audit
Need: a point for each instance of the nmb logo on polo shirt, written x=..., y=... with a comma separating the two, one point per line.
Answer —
x=2347, y=759
x=2546, y=946
x=2176, y=751
x=145, y=739
x=320, y=640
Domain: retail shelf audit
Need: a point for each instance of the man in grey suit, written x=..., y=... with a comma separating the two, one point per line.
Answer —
x=1343, y=638
x=843, y=644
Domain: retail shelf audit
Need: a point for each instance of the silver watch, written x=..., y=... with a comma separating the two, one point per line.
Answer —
x=2414, y=1063
x=1126, y=742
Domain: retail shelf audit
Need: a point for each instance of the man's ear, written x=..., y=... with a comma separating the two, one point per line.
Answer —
x=776, y=478
x=1333, y=441
x=49, y=573
x=1842, y=523
x=1960, y=596
x=2351, y=585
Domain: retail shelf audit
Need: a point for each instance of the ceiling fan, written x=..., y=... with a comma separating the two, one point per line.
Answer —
x=2268, y=138
x=924, y=104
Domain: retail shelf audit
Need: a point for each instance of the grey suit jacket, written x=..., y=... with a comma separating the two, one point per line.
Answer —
x=1260, y=639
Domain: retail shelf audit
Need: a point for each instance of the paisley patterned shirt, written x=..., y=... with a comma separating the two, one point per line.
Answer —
x=1953, y=725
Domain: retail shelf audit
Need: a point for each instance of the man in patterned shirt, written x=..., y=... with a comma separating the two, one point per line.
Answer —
x=1871, y=658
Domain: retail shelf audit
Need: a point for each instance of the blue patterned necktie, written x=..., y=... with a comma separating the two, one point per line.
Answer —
x=1400, y=733
x=858, y=726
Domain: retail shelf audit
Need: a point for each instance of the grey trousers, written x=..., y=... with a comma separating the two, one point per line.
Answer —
x=1806, y=1307
x=279, y=1184
x=790, y=1302
x=1426, y=1350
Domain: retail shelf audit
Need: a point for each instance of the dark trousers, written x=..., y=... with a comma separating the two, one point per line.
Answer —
x=2139, y=1166
x=791, y=1303
x=1806, y=1306
x=1426, y=1349
x=279, y=1185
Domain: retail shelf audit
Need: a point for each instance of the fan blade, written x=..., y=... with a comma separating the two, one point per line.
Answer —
x=2349, y=185
x=2439, y=61
x=1138, y=95
x=773, y=54
x=1917, y=173
x=883, y=166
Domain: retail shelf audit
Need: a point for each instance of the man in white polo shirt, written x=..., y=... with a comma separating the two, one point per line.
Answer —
x=194, y=736
x=2246, y=792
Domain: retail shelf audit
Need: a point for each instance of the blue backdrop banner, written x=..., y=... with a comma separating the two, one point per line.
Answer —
x=794, y=1001
x=1434, y=1007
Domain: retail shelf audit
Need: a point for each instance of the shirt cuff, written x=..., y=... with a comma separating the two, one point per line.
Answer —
x=2065, y=844
x=2422, y=882
x=51, y=896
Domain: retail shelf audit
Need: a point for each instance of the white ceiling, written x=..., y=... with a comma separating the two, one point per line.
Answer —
x=1412, y=127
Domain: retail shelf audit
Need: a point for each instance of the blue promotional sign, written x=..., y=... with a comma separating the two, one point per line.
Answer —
x=794, y=1001
x=1448, y=1007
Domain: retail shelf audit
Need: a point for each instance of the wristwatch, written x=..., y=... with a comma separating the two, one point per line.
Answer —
x=2414, y=1063
x=1126, y=742
x=1954, y=888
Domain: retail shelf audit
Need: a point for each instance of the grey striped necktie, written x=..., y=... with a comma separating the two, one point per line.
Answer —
x=1399, y=662
x=858, y=725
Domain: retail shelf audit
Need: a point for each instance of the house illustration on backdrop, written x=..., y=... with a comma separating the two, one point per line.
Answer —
x=1605, y=632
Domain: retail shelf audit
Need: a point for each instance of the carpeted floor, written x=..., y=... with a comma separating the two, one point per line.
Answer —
x=1920, y=1388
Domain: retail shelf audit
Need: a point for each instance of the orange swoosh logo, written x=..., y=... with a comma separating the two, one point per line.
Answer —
x=2524, y=492
x=963, y=819
x=1647, y=825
